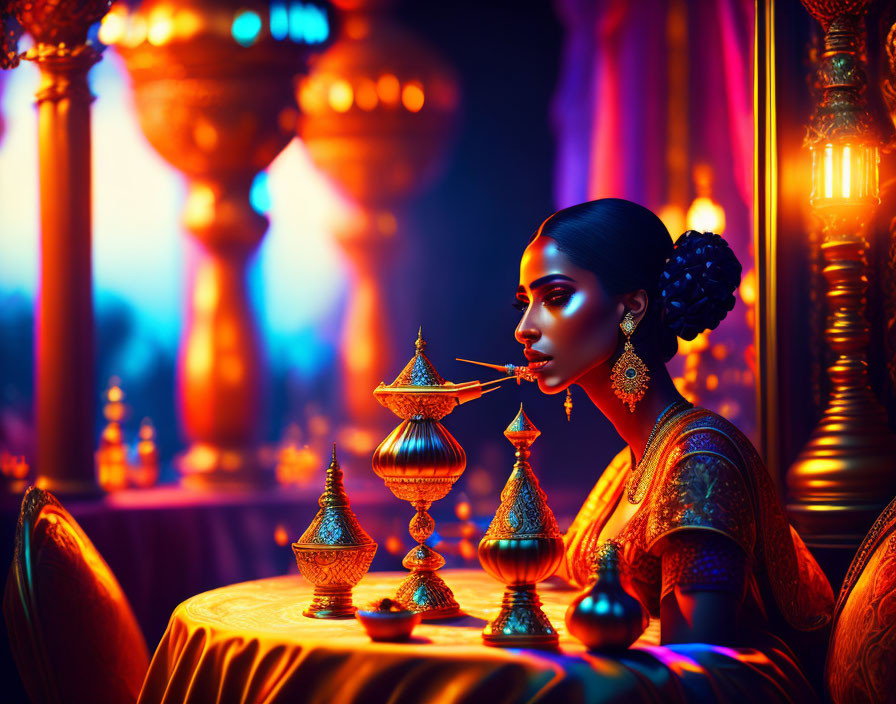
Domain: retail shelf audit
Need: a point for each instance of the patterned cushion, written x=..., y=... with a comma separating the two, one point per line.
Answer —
x=72, y=631
x=861, y=665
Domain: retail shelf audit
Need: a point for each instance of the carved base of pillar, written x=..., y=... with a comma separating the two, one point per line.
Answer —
x=845, y=475
x=832, y=524
x=207, y=467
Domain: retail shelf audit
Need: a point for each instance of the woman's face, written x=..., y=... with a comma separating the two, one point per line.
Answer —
x=569, y=325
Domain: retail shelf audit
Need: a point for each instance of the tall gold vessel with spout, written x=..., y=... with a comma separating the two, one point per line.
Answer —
x=419, y=462
x=521, y=547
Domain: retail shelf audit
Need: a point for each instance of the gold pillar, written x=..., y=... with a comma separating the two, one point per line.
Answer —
x=64, y=355
x=845, y=475
x=220, y=370
x=888, y=88
x=213, y=88
x=366, y=338
x=377, y=111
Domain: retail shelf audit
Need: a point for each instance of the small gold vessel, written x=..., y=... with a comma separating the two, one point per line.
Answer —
x=335, y=552
x=605, y=616
x=419, y=462
x=521, y=547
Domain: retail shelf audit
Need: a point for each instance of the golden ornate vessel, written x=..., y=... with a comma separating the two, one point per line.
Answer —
x=335, y=552
x=605, y=616
x=522, y=546
x=419, y=462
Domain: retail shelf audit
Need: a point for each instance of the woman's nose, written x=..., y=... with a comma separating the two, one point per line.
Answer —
x=526, y=332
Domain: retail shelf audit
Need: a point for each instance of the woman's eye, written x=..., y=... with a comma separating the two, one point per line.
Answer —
x=558, y=298
x=520, y=305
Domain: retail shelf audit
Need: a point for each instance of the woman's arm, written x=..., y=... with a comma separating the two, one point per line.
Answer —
x=699, y=617
x=704, y=581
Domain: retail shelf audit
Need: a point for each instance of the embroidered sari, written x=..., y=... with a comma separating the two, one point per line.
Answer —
x=710, y=520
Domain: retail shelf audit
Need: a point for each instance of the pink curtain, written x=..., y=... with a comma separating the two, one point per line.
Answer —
x=611, y=114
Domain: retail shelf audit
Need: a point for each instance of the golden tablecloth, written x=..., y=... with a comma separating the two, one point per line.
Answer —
x=250, y=642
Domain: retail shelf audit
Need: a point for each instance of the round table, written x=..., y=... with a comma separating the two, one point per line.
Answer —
x=249, y=642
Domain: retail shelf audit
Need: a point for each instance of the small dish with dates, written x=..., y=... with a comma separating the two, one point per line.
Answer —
x=388, y=621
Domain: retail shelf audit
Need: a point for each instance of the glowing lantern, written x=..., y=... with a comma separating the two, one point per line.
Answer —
x=843, y=476
x=844, y=174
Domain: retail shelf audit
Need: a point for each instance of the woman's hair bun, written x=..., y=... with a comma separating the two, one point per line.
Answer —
x=698, y=283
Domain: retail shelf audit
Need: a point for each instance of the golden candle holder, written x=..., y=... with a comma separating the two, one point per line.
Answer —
x=335, y=552
x=521, y=547
x=419, y=462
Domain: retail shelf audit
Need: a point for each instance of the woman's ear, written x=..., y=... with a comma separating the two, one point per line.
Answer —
x=636, y=303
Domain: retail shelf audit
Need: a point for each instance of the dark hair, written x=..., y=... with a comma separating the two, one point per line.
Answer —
x=690, y=284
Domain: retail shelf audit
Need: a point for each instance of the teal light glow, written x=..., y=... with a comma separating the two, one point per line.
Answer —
x=279, y=21
x=246, y=27
x=308, y=23
x=259, y=195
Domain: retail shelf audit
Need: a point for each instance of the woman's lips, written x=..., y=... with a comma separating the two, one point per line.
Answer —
x=537, y=360
x=539, y=364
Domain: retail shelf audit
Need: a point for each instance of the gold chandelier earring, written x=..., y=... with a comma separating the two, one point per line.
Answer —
x=567, y=404
x=629, y=376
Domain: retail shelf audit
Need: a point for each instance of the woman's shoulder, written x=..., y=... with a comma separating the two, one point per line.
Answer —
x=703, y=480
x=702, y=431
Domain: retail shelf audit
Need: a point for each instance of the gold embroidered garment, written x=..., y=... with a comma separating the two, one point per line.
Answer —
x=706, y=480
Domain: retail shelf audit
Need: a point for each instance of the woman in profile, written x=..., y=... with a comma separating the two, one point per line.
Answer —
x=706, y=548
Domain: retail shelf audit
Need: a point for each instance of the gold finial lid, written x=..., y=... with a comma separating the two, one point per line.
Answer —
x=419, y=371
x=419, y=392
x=521, y=431
x=335, y=523
x=524, y=510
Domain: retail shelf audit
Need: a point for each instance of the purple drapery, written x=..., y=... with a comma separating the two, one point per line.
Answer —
x=610, y=116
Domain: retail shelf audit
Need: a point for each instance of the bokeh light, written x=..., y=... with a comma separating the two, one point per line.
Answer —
x=246, y=27
x=412, y=96
x=341, y=96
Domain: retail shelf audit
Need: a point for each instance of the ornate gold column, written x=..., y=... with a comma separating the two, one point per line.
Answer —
x=376, y=113
x=64, y=354
x=888, y=88
x=846, y=473
x=213, y=88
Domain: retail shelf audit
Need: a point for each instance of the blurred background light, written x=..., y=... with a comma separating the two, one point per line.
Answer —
x=308, y=23
x=246, y=27
x=138, y=246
